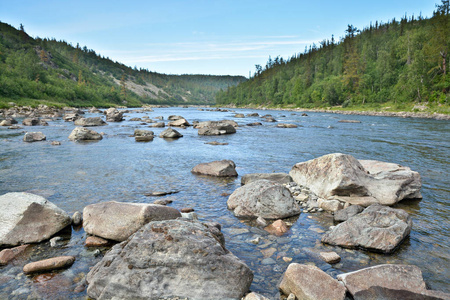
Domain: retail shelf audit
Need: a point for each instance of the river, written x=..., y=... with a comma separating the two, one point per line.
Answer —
x=74, y=175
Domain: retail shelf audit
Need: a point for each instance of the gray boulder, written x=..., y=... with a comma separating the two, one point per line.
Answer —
x=179, y=123
x=170, y=133
x=174, y=259
x=219, y=168
x=88, y=122
x=113, y=115
x=84, y=134
x=118, y=220
x=263, y=198
x=344, y=178
x=400, y=278
x=28, y=218
x=378, y=228
x=34, y=137
x=141, y=135
x=344, y=214
x=308, y=282
x=216, y=127
x=282, y=178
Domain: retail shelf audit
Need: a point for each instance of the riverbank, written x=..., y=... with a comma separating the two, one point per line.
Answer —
x=414, y=113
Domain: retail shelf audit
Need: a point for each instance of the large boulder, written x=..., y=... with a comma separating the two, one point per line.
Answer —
x=204, y=124
x=113, y=115
x=263, y=198
x=308, y=282
x=395, y=277
x=378, y=228
x=282, y=178
x=170, y=133
x=88, y=122
x=219, y=168
x=118, y=220
x=174, y=259
x=344, y=178
x=28, y=218
x=215, y=128
x=34, y=137
x=84, y=134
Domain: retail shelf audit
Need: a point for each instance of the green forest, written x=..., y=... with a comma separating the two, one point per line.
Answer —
x=46, y=71
x=394, y=65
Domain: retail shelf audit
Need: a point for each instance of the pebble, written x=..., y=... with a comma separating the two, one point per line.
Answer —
x=95, y=241
x=49, y=264
x=287, y=259
x=187, y=210
x=330, y=257
x=77, y=218
x=54, y=241
x=256, y=240
x=268, y=261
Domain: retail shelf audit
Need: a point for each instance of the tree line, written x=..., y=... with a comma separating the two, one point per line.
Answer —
x=399, y=62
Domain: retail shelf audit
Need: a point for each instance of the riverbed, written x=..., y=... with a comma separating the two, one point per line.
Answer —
x=117, y=168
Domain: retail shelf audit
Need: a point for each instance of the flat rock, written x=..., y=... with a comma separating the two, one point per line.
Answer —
x=27, y=218
x=378, y=228
x=118, y=220
x=170, y=259
x=30, y=137
x=219, y=168
x=263, y=198
x=179, y=123
x=88, y=122
x=158, y=125
x=215, y=128
x=286, y=125
x=50, y=264
x=391, y=276
x=84, y=134
x=308, y=282
x=216, y=143
x=342, y=177
x=282, y=178
x=349, y=121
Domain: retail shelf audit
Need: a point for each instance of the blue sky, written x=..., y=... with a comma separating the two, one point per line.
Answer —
x=200, y=37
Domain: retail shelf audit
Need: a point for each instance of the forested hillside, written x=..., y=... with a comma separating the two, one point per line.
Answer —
x=35, y=70
x=399, y=62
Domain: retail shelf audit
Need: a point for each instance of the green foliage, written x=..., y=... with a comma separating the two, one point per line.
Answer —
x=398, y=62
x=37, y=71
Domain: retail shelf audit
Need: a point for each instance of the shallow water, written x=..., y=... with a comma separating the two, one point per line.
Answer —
x=74, y=175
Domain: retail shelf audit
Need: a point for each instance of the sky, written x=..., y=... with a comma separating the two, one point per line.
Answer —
x=200, y=37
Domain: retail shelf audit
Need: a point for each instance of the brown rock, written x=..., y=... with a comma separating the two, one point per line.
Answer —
x=49, y=264
x=330, y=257
x=308, y=282
x=7, y=255
x=278, y=228
x=187, y=210
x=163, y=201
x=95, y=241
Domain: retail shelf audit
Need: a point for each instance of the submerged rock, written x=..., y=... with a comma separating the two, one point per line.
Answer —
x=263, y=198
x=219, y=168
x=118, y=220
x=169, y=259
x=308, y=282
x=342, y=177
x=28, y=218
x=377, y=228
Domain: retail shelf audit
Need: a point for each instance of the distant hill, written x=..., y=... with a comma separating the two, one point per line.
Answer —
x=399, y=63
x=45, y=71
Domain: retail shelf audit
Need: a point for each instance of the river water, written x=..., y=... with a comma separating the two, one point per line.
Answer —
x=74, y=175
